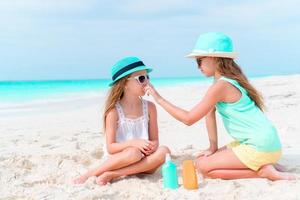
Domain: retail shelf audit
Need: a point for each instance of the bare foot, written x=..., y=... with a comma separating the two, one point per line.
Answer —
x=80, y=179
x=106, y=177
x=280, y=167
x=270, y=172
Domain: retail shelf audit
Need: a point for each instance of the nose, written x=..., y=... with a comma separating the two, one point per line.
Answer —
x=145, y=83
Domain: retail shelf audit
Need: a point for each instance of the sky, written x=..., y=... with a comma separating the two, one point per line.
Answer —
x=82, y=39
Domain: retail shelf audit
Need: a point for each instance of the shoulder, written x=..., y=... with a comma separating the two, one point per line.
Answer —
x=221, y=83
x=218, y=91
x=219, y=86
x=151, y=106
x=227, y=86
x=112, y=115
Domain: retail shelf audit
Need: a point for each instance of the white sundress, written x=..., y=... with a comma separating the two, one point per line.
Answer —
x=129, y=129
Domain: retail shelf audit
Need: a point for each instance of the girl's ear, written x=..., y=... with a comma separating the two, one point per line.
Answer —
x=125, y=86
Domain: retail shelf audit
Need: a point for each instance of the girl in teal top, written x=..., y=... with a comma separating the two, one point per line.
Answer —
x=256, y=147
x=246, y=122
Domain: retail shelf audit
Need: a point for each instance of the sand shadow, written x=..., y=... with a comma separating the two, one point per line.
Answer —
x=291, y=162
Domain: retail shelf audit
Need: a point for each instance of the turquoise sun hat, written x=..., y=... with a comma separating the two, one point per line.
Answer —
x=213, y=44
x=127, y=66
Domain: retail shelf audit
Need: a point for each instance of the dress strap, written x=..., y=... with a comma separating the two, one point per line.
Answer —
x=145, y=108
x=120, y=110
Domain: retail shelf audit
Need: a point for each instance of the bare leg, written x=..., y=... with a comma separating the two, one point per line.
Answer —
x=224, y=164
x=229, y=174
x=148, y=165
x=126, y=157
x=222, y=148
x=277, y=166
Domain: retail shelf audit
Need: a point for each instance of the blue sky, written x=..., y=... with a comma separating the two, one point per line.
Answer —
x=81, y=39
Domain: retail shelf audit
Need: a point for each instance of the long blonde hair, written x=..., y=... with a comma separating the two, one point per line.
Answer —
x=114, y=95
x=228, y=68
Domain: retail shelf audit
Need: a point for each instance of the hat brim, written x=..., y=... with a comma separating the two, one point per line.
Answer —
x=232, y=55
x=148, y=69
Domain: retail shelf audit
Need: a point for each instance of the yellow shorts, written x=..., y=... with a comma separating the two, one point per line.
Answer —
x=251, y=157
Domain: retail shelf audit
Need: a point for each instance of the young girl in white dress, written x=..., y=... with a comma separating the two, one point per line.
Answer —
x=130, y=123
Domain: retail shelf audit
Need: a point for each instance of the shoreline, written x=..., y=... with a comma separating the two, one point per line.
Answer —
x=15, y=92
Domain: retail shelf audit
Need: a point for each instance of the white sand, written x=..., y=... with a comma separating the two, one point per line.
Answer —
x=43, y=149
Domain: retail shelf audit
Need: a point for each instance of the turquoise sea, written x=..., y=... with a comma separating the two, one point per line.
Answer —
x=31, y=91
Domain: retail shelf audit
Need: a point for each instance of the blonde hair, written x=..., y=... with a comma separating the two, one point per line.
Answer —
x=228, y=68
x=114, y=95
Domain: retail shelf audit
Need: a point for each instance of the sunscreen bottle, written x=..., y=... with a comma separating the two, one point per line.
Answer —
x=189, y=175
x=169, y=172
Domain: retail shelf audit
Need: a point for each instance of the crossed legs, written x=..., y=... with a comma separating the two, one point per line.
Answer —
x=148, y=164
x=128, y=157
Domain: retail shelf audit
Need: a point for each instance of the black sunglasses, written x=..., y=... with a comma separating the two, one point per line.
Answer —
x=140, y=78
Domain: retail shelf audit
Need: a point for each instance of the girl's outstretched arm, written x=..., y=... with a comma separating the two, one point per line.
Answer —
x=214, y=94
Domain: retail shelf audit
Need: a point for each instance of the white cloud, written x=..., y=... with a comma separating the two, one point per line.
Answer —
x=270, y=11
x=158, y=6
x=22, y=16
x=44, y=5
x=109, y=29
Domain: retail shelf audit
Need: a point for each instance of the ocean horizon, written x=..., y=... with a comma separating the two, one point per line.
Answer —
x=27, y=96
x=33, y=90
x=14, y=94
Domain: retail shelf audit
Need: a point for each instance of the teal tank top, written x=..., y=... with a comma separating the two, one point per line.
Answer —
x=246, y=123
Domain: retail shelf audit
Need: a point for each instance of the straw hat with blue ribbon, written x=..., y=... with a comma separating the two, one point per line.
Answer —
x=126, y=66
x=213, y=44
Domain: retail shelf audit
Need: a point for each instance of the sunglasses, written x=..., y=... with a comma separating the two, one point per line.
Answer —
x=140, y=78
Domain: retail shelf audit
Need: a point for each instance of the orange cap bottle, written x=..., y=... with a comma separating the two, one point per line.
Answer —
x=189, y=175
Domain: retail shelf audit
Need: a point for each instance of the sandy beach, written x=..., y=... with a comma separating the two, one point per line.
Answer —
x=42, y=148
